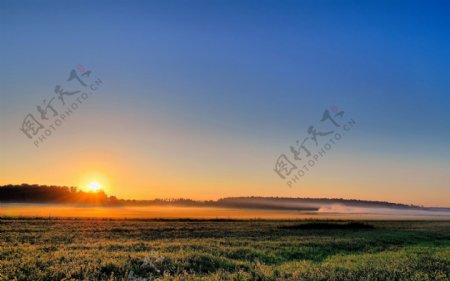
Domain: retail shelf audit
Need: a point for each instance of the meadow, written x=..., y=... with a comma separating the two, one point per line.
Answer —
x=188, y=249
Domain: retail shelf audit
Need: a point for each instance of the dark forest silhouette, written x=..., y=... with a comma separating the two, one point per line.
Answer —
x=26, y=193
x=33, y=193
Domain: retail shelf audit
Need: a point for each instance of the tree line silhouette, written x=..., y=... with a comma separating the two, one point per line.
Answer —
x=33, y=193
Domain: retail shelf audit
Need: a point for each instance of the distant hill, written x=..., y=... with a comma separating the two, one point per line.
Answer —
x=308, y=203
x=32, y=193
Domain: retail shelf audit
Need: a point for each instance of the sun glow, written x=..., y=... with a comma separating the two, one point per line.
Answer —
x=94, y=181
x=94, y=186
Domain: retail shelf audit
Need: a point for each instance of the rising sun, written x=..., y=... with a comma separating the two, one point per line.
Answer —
x=94, y=186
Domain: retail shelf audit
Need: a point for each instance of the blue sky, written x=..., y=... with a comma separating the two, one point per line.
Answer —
x=248, y=76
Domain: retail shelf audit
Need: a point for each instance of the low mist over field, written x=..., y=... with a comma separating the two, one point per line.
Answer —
x=36, y=200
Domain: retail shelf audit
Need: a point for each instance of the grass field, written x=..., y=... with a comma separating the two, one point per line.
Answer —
x=102, y=249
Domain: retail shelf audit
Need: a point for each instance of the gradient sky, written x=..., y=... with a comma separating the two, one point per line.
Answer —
x=201, y=97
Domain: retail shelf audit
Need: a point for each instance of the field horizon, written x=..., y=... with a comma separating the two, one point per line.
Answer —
x=61, y=201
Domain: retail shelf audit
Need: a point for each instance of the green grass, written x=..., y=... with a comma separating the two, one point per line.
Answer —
x=101, y=249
